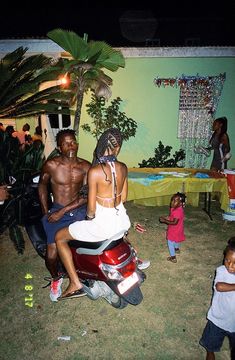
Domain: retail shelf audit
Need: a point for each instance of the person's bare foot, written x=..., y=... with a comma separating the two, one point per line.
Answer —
x=74, y=294
x=71, y=288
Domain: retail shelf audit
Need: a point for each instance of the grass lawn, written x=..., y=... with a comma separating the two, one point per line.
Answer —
x=167, y=325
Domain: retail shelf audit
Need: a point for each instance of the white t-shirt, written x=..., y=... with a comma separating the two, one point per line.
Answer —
x=222, y=310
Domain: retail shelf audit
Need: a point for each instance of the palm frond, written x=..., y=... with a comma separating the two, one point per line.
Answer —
x=97, y=74
x=105, y=56
x=70, y=42
x=20, y=79
x=24, y=73
x=10, y=61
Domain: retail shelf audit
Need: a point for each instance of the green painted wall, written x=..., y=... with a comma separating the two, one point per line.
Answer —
x=32, y=121
x=156, y=109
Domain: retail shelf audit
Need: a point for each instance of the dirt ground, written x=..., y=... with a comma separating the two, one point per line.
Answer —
x=167, y=325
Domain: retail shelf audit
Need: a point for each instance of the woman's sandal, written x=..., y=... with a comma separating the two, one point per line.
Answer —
x=172, y=259
x=73, y=294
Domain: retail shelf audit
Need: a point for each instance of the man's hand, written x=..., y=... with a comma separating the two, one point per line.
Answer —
x=56, y=215
x=4, y=194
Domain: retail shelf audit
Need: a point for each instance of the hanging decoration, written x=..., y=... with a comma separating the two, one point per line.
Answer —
x=199, y=98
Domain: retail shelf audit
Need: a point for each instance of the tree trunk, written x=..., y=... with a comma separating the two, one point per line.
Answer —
x=77, y=116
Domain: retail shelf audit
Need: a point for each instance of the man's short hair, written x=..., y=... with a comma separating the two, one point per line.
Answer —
x=63, y=132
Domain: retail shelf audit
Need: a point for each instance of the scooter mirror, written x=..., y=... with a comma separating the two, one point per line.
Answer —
x=36, y=179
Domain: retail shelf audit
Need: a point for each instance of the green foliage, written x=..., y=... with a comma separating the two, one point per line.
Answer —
x=20, y=80
x=17, y=163
x=55, y=152
x=161, y=157
x=108, y=117
x=20, y=165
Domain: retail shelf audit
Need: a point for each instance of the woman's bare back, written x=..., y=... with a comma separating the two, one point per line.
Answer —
x=103, y=177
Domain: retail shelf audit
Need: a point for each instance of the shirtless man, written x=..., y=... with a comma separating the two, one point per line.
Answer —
x=67, y=176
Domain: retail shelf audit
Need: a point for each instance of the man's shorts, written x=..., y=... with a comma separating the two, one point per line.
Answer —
x=213, y=337
x=51, y=228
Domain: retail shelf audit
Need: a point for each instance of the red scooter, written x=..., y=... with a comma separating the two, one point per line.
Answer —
x=108, y=269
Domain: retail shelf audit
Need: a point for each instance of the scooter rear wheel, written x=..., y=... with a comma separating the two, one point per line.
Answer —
x=118, y=302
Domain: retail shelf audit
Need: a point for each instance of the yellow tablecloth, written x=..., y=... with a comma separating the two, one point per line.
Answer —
x=159, y=192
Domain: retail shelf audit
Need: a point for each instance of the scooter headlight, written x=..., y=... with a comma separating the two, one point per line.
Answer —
x=111, y=272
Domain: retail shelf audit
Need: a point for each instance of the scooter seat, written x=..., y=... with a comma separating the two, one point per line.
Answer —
x=85, y=245
x=96, y=248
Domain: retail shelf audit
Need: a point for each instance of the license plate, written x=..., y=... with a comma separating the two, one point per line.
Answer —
x=127, y=283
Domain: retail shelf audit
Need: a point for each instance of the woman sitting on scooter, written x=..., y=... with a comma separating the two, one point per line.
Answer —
x=107, y=182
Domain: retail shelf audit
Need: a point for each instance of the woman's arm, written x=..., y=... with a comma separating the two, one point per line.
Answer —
x=125, y=184
x=92, y=192
x=124, y=191
x=225, y=142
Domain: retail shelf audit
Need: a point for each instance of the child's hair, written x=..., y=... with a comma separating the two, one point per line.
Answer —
x=182, y=197
x=230, y=246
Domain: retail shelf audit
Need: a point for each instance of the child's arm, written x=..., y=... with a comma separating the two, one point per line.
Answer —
x=166, y=220
x=222, y=286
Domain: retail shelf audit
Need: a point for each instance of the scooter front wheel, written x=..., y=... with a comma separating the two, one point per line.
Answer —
x=118, y=302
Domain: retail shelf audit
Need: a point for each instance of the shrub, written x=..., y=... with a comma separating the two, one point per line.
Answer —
x=161, y=157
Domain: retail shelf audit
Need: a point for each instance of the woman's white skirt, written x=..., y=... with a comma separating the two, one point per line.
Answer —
x=107, y=223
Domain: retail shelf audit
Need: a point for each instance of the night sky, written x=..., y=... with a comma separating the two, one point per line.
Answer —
x=102, y=21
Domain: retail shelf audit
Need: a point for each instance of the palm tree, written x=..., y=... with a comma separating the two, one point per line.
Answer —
x=20, y=80
x=84, y=63
x=21, y=96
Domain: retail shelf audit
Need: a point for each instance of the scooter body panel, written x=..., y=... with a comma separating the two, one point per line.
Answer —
x=117, y=255
x=121, y=258
x=89, y=266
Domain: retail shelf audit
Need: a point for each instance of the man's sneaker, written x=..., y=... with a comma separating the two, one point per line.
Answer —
x=177, y=251
x=143, y=264
x=55, y=289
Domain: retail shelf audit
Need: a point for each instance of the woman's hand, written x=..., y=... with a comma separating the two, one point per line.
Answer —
x=227, y=157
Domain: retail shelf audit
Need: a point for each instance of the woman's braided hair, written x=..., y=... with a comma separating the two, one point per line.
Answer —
x=109, y=140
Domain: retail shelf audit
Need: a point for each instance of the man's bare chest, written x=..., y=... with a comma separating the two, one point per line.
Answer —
x=67, y=174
